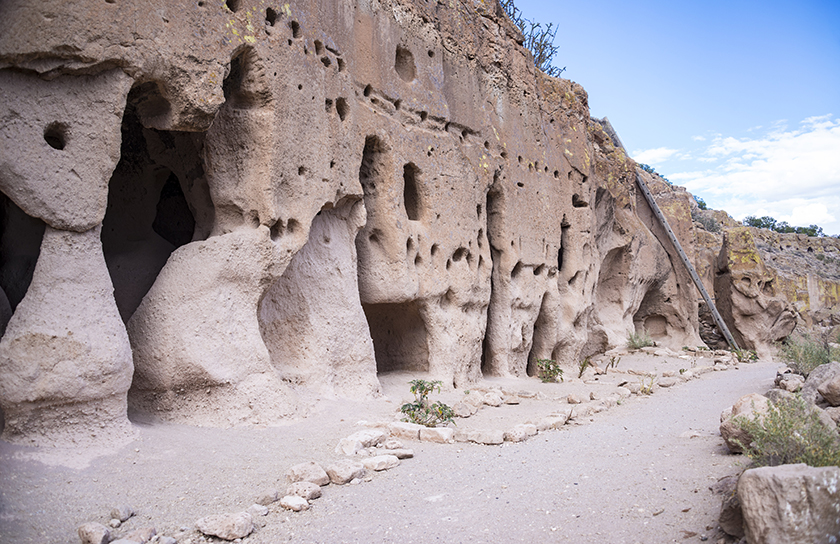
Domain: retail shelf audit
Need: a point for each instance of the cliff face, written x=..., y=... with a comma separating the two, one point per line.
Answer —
x=298, y=197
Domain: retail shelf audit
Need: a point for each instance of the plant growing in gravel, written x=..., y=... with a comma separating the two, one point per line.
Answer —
x=421, y=411
x=790, y=432
x=613, y=363
x=646, y=384
x=639, y=340
x=549, y=370
x=803, y=353
x=583, y=365
x=745, y=355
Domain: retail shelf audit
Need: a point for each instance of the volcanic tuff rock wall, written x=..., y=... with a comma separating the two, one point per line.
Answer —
x=293, y=197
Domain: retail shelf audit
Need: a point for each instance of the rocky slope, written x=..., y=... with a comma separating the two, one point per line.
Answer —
x=213, y=209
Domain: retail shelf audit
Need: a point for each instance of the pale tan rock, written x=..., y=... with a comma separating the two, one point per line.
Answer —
x=94, y=533
x=226, y=526
x=790, y=503
x=486, y=437
x=747, y=407
x=381, y=462
x=441, y=435
x=344, y=471
x=294, y=503
x=830, y=390
x=307, y=490
x=820, y=375
x=360, y=440
x=308, y=472
x=408, y=431
x=65, y=360
x=520, y=433
x=60, y=134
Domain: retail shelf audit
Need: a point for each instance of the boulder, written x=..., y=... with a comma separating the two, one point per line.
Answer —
x=748, y=407
x=408, y=431
x=226, y=526
x=791, y=504
x=820, y=375
x=489, y=438
x=830, y=390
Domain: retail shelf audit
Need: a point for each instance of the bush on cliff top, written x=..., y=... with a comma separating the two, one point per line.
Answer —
x=539, y=39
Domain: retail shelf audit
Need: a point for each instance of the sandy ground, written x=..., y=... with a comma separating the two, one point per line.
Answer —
x=634, y=471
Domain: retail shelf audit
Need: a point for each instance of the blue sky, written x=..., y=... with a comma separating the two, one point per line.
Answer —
x=738, y=101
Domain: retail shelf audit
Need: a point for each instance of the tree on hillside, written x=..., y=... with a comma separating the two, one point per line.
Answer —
x=767, y=222
x=539, y=39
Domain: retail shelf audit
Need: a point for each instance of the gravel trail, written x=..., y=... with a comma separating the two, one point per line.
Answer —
x=639, y=472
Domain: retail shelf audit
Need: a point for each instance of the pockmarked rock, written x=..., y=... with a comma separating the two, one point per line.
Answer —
x=226, y=526
x=791, y=503
x=306, y=490
x=360, y=440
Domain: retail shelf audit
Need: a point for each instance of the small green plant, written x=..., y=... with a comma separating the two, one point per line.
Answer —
x=790, y=432
x=646, y=384
x=613, y=363
x=549, y=370
x=583, y=365
x=682, y=371
x=421, y=411
x=745, y=355
x=639, y=340
x=804, y=353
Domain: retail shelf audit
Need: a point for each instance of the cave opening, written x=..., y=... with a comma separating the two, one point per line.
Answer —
x=399, y=337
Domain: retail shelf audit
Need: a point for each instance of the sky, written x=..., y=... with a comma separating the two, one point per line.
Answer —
x=738, y=101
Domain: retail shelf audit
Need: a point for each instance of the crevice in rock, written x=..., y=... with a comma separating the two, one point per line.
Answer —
x=20, y=246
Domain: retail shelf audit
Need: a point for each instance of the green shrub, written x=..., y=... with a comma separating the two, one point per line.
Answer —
x=803, y=353
x=421, y=411
x=745, y=355
x=549, y=370
x=790, y=432
x=640, y=340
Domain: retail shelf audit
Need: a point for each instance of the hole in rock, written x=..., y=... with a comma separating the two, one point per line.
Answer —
x=270, y=17
x=434, y=249
x=56, y=135
x=295, y=26
x=368, y=90
x=233, y=5
x=578, y=202
x=397, y=104
x=411, y=193
x=328, y=104
x=517, y=270
x=423, y=115
x=404, y=64
x=399, y=337
x=319, y=47
x=326, y=62
x=459, y=254
x=341, y=64
x=538, y=270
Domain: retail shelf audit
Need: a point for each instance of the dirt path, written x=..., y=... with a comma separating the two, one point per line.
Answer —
x=638, y=472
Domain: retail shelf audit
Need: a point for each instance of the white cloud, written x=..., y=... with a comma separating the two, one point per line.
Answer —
x=699, y=138
x=654, y=156
x=793, y=174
